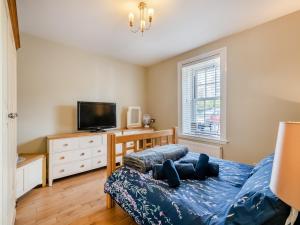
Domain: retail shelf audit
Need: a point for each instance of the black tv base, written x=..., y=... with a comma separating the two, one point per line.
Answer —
x=98, y=131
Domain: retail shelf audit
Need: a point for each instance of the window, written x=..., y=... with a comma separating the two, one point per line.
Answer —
x=202, y=96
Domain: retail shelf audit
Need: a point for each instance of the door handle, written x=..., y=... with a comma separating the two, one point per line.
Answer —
x=12, y=115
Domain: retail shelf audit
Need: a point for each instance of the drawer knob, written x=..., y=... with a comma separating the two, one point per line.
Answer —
x=81, y=166
x=82, y=154
x=91, y=141
x=62, y=157
x=65, y=145
x=99, y=161
x=62, y=171
x=99, y=150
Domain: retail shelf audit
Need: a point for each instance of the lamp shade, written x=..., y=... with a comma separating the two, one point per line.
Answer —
x=285, y=180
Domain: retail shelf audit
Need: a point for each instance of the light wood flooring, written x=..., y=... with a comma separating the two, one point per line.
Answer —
x=77, y=200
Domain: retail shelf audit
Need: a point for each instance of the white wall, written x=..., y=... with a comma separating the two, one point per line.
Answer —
x=53, y=77
x=263, y=78
x=263, y=87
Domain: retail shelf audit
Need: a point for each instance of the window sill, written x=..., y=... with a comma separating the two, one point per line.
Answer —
x=204, y=139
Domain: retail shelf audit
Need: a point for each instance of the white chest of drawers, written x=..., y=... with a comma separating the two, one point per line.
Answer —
x=72, y=154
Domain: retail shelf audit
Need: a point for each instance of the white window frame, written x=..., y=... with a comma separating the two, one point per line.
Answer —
x=222, y=52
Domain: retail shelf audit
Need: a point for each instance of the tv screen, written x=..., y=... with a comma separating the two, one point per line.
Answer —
x=96, y=115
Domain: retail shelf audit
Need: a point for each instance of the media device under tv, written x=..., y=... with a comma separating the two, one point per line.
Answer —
x=96, y=116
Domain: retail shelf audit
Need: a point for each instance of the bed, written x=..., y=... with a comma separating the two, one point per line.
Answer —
x=214, y=201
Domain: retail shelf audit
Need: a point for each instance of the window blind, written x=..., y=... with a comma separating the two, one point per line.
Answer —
x=201, y=111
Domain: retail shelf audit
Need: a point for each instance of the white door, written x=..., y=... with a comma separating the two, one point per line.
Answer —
x=12, y=119
x=8, y=124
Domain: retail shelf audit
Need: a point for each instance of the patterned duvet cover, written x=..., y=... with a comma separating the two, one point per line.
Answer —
x=153, y=202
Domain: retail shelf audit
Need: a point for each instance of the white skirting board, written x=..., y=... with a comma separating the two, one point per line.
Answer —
x=209, y=149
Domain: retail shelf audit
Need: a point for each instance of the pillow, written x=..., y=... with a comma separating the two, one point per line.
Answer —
x=201, y=166
x=265, y=161
x=256, y=203
x=158, y=172
x=171, y=173
x=212, y=170
x=184, y=170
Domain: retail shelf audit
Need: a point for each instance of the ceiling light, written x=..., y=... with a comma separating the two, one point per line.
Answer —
x=145, y=19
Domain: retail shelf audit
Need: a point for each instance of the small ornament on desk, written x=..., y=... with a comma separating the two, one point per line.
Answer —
x=148, y=121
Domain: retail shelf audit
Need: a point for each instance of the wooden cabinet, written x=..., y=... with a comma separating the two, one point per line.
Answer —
x=75, y=154
x=30, y=173
x=70, y=154
x=19, y=182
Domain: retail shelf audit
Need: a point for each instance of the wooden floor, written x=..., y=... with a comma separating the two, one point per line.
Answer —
x=78, y=200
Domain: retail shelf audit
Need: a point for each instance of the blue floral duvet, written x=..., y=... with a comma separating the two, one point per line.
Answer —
x=151, y=201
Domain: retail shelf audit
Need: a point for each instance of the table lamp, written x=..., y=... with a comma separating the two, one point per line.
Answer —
x=285, y=179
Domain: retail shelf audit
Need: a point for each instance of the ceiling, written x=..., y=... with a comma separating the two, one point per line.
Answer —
x=100, y=26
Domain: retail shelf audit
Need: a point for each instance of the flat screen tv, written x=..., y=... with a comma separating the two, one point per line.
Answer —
x=96, y=116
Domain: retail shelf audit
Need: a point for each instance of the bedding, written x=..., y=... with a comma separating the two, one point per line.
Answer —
x=265, y=161
x=151, y=201
x=256, y=203
x=144, y=160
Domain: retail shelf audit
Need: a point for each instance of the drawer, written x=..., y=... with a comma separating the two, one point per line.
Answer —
x=119, y=159
x=99, y=162
x=63, y=157
x=65, y=144
x=82, y=166
x=70, y=156
x=91, y=141
x=71, y=168
x=130, y=132
x=118, y=148
x=62, y=170
x=82, y=154
x=99, y=151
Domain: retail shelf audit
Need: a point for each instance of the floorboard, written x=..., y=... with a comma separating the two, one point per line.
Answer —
x=76, y=200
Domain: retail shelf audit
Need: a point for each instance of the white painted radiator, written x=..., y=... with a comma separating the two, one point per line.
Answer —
x=209, y=149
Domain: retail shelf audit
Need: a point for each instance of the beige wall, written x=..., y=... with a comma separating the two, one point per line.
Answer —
x=263, y=86
x=52, y=77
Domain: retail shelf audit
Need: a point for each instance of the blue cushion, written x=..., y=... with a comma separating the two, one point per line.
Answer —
x=171, y=173
x=184, y=170
x=201, y=166
x=212, y=170
x=256, y=203
x=158, y=172
x=265, y=161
